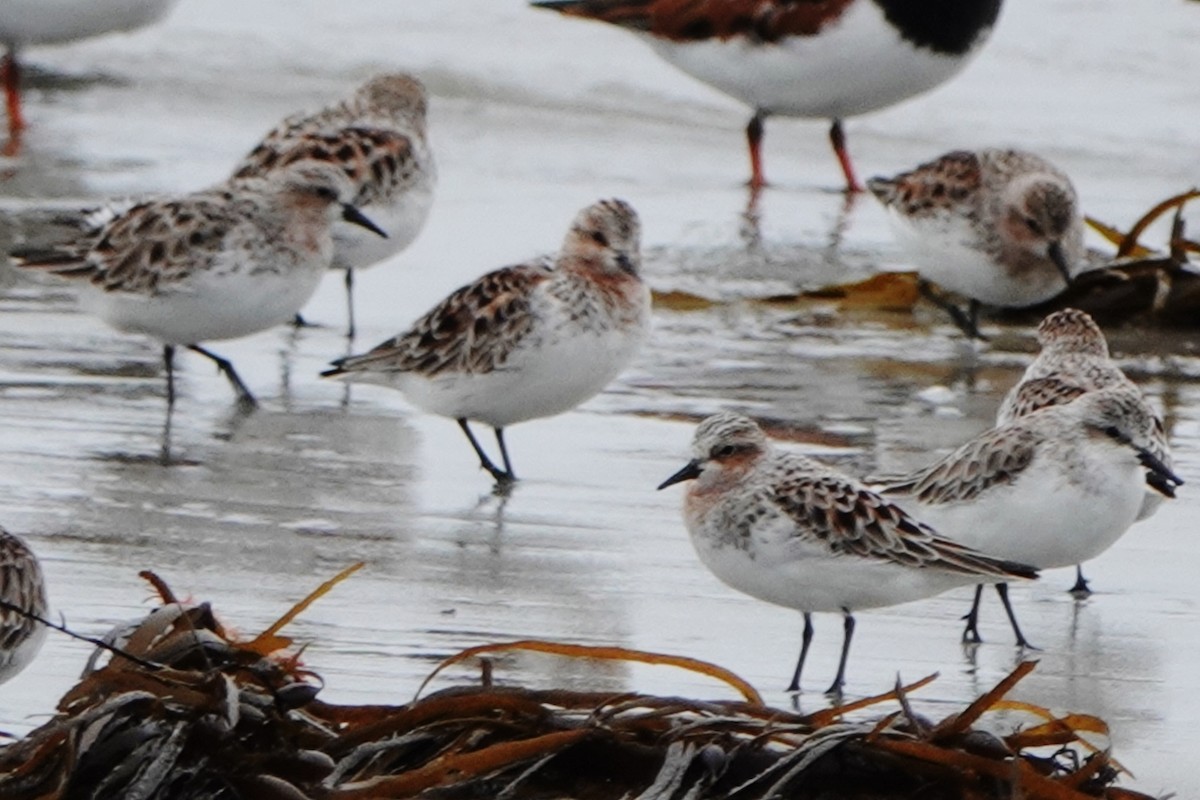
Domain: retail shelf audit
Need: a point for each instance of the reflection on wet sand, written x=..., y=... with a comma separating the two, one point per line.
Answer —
x=257, y=509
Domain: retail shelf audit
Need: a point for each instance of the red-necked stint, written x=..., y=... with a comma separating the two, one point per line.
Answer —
x=527, y=341
x=221, y=263
x=1053, y=488
x=794, y=532
x=377, y=137
x=1000, y=227
x=1073, y=360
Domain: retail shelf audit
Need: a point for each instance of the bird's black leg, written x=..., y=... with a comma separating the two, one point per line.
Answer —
x=1002, y=590
x=164, y=451
x=1081, y=588
x=971, y=632
x=500, y=475
x=226, y=368
x=169, y=363
x=754, y=137
x=351, y=330
x=973, y=318
x=837, y=138
x=835, y=688
x=805, y=641
x=966, y=321
x=512, y=476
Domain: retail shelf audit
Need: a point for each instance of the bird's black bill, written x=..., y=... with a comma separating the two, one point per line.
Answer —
x=1160, y=485
x=1159, y=475
x=1059, y=258
x=688, y=473
x=356, y=217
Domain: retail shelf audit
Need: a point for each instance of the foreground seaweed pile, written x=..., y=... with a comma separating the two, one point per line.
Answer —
x=189, y=712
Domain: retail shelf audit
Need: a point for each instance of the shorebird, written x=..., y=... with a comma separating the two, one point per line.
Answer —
x=1074, y=360
x=831, y=59
x=1053, y=488
x=24, y=23
x=377, y=137
x=1000, y=227
x=794, y=532
x=527, y=341
x=221, y=263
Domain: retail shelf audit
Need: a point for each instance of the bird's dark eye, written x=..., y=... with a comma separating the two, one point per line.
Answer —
x=725, y=451
x=1034, y=226
x=1111, y=431
x=599, y=238
x=325, y=193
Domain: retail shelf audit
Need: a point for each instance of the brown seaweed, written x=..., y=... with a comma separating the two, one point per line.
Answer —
x=196, y=713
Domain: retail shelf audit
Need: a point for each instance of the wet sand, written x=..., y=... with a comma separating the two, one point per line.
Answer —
x=534, y=117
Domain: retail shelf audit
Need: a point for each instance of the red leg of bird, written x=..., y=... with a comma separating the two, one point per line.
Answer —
x=754, y=137
x=12, y=91
x=837, y=137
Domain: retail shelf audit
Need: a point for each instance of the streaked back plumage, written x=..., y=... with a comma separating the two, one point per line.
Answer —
x=378, y=137
x=23, y=585
x=1074, y=359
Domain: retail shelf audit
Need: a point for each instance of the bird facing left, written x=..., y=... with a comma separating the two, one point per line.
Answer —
x=789, y=530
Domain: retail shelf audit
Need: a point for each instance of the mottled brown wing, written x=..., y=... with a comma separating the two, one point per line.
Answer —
x=690, y=20
x=1040, y=393
x=852, y=519
x=950, y=27
x=22, y=585
x=767, y=20
x=151, y=244
x=472, y=331
x=955, y=177
x=376, y=160
x=993, y=458
x=300, y=124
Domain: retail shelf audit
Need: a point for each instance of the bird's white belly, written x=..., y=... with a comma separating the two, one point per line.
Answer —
x=26, y=22
x=536, y=382
x=856, y=65
x=207, y=307
x=945, y=250
x=825, y=582
x=1044, y=521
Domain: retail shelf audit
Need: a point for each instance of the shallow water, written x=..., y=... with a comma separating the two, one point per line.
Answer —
x=534, y=117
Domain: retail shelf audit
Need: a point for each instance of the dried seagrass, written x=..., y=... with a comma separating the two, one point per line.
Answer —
x=190, y=712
